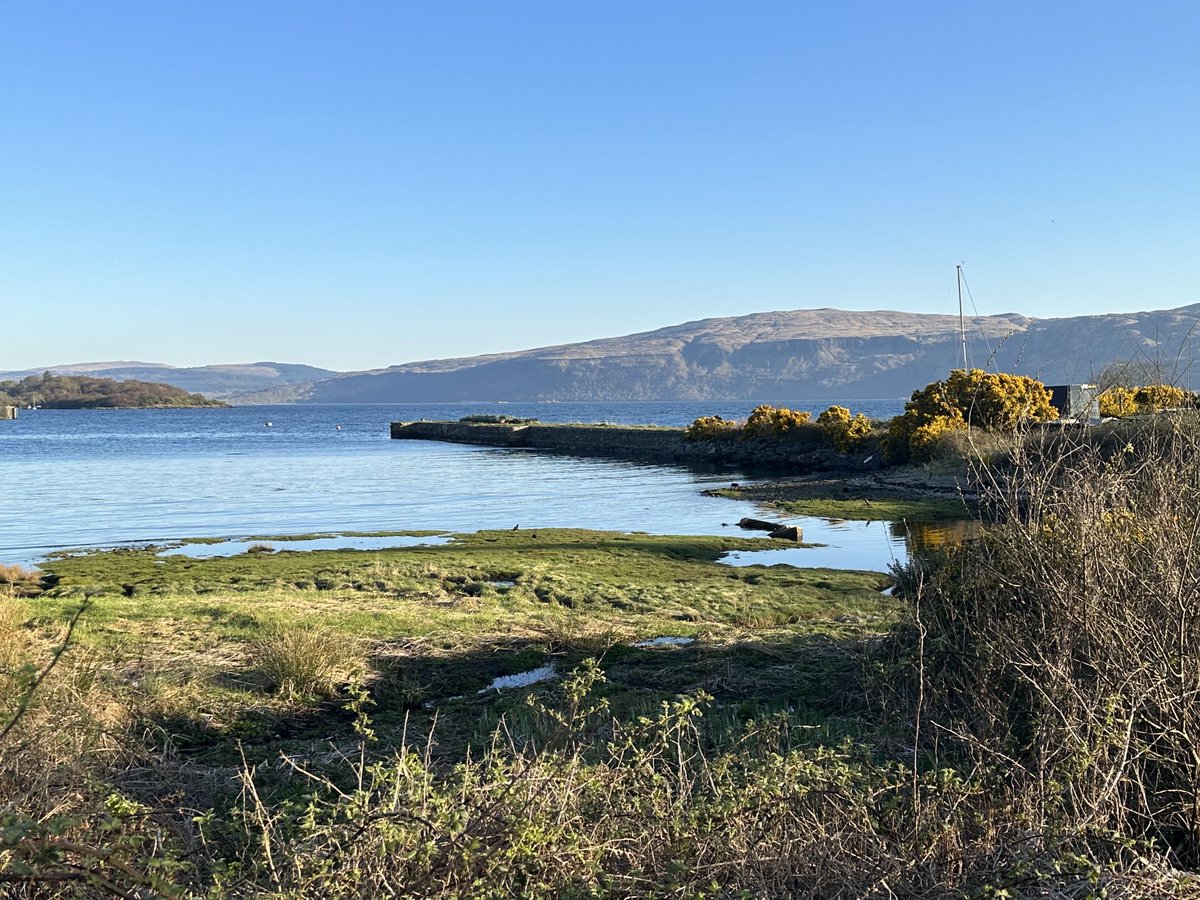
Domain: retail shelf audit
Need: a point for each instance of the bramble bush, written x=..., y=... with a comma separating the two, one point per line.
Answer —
x=974, y=398
x=1063, y=639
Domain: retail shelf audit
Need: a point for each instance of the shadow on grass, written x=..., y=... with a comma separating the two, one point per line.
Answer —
x=818, y=679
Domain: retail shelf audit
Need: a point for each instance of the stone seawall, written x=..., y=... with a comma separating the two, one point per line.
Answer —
x=581, y=440
x=648, y=443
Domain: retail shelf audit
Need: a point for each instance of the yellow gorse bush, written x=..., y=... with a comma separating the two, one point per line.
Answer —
x=968, y=398
x=709, y=428
x=773, y=421
x=844, y=431
x=924, y=439
x=1119, y=401
x=1156, y=397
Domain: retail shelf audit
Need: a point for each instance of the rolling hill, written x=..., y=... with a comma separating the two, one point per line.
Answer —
x=778, y=356
x=792, y=355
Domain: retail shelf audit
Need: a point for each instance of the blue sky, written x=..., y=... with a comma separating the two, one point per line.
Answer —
x=362, y=184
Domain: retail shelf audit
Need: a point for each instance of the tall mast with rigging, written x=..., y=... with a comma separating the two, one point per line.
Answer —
x=962, y=326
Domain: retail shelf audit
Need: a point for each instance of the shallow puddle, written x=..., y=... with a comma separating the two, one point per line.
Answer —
x=327, y=542
x=666, y=642
x=521, y=679
x=833, y=544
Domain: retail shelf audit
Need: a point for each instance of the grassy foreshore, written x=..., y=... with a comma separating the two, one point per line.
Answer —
x=186, y=681
x=1018, y=721
x=444, y=621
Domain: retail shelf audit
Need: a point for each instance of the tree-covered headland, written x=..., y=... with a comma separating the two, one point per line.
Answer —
x=84, y=392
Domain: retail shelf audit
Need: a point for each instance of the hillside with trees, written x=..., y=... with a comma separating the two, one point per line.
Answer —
x=82, y=392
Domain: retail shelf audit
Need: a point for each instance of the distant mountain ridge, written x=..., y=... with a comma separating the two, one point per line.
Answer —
x=791, y=355
x=216, y=381
x=778, y=356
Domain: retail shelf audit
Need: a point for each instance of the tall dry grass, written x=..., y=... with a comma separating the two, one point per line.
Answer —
x=1062, y=648
x=66, y=829
x=17, y=581
x=306, y=662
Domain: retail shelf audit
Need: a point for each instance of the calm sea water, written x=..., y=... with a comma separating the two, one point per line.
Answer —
x=98, y=478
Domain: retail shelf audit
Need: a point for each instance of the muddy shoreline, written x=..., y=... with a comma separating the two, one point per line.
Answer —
x=900, y=493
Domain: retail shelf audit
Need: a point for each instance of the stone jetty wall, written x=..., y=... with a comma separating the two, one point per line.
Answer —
x=648, y=443
x=584, y=440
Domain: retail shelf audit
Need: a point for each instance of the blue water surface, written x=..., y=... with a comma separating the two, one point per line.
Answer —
x=93, y=478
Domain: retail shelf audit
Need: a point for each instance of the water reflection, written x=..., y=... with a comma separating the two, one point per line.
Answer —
x=834, y=544
x=864, y=546
x=935, y=535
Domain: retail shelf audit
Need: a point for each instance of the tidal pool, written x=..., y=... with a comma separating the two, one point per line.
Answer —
x=666, y=642
x=232, y=547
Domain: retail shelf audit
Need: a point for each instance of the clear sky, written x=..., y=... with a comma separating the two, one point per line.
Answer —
x=359, y=184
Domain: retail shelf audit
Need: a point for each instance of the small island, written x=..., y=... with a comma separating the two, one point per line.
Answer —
x=83, y=392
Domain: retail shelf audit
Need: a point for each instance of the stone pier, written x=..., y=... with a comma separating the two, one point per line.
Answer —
x=804, y=453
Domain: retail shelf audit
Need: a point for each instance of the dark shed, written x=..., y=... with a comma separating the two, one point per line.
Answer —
x=1075, y=401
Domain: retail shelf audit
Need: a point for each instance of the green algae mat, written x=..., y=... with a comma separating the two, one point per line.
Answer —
x=427, y=630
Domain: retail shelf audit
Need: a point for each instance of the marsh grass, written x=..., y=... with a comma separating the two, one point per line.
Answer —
x=934, y=492
x=223, y=731
x=308, y=662
x=880, y=509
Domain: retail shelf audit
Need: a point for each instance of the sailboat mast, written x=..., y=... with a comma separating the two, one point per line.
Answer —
x=962, y=325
